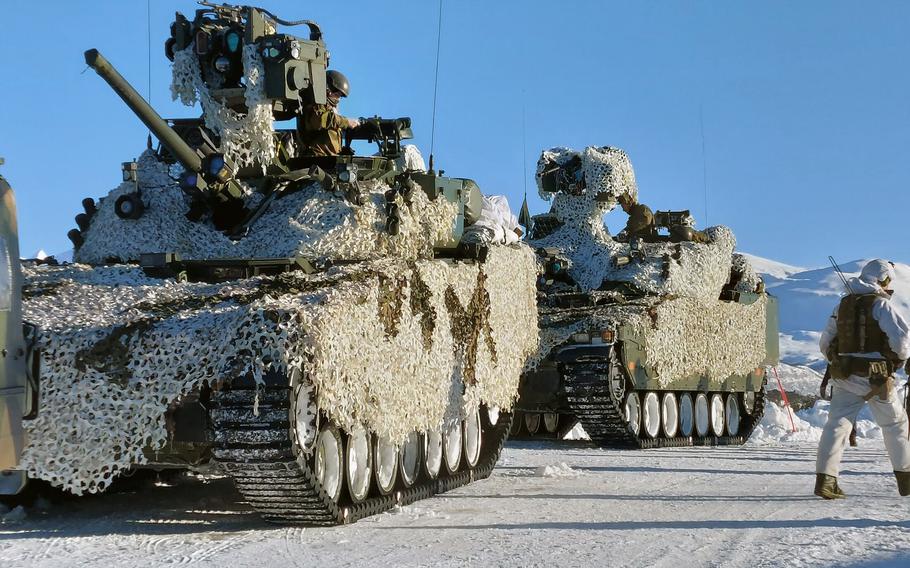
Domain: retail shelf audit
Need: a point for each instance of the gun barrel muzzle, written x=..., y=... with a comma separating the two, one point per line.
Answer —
x=171, y=140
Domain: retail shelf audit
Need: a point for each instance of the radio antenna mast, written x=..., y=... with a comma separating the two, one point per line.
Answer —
x=841, y=274
x=435, y=87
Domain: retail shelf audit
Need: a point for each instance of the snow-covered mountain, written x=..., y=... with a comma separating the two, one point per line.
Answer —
x=808, y=296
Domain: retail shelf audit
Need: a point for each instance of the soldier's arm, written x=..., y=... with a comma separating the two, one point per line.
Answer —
x=894, y=326
x=828, y=335
x=317, y=118
x=638, y=220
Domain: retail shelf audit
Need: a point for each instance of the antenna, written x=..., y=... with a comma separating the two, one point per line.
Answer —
x=704, y=159
x=841, y=274
x=435, y=87
x=524, y=216
x=148, y=21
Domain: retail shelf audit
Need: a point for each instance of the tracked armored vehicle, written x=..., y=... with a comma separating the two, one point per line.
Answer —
x=311, y=326
x=647, y=342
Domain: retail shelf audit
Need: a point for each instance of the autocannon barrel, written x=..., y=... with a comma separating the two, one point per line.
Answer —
x=180, y=149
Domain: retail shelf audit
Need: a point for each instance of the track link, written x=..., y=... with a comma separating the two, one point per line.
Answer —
x=257, y=450
x=601, y=414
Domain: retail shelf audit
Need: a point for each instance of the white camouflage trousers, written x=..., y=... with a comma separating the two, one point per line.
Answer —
x=846, y=402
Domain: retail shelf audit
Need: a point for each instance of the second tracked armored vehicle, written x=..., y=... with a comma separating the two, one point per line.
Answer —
x=647, y=342
x=311, y=326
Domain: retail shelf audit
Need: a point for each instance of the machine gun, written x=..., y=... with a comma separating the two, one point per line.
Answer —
x=387, y=133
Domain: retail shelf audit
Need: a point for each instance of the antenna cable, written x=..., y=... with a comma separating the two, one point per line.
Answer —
x=435, y=87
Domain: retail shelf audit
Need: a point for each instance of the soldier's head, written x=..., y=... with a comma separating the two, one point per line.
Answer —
x=626, y=201
x=336, y=86
x=879, y=272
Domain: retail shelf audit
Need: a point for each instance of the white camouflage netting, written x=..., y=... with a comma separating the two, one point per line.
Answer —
x=693, y=269
x=682, y=337
x=686, y=328
x=310, y=222
x=381, y=338
x=247, y=139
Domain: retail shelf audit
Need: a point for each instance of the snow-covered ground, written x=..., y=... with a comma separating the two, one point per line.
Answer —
x=545, y=505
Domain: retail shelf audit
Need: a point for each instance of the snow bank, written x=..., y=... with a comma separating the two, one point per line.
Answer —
x=775, y=425
x=561, y=469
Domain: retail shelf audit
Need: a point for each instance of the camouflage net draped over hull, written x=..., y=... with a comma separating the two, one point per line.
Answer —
x=682, y=337
x=379, y=341
x=311, y=222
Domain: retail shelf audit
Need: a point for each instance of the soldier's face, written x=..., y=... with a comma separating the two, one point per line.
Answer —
x=333, y=97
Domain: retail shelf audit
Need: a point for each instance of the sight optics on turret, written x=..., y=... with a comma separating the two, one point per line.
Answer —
x=294, y=67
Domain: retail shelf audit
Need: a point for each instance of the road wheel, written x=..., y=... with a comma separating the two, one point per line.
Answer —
x=551, y=422
x=717, y=414
x=329, y=458
x=650, y=414
x=432, y=453
x=686, y=415
x=409, y=460
x=385, y=464
x=632, y=412
x=359, y=462
x=472, y=437
x=702, y=418
x=669, y=414
x=452, y=446
x=733, y=414
x=532, y=423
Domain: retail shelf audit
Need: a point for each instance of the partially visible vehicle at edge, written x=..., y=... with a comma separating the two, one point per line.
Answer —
x=18, y=391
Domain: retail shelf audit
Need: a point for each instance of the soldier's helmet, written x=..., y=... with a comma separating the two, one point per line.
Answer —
x=877, y=271
x=337, y=82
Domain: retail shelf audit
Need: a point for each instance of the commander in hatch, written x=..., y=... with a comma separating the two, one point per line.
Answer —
x=319, y=126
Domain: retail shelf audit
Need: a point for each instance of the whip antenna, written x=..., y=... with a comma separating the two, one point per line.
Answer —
x=435, y=86
x=524, y=216
x=841, y=274
x=148, y=20
x=704, y=159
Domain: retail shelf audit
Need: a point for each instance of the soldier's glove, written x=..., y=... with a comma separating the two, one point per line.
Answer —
x=353, y=123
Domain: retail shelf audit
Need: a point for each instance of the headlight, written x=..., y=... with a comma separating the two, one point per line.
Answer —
x=188, y=181
x=216, y=163
x=232, y=41
x=223, y=64
x=581, y=337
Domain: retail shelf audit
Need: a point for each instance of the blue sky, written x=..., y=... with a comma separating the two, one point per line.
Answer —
x=805, y=105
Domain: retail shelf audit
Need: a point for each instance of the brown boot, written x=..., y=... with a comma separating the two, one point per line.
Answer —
x=853, y=443
x=826, y=487
x=903, y=482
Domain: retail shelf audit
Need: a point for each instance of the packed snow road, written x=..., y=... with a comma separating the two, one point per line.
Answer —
x=545, y=505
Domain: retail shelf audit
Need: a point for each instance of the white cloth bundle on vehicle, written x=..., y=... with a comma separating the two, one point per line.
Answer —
x=496, y=224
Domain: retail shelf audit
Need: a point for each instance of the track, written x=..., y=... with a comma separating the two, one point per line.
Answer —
x=277, y=480
x=602, y=417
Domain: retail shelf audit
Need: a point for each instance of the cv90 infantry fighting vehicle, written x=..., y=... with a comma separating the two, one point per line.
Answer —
x=313, y=327
x=18, y=382
x=661, y=341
